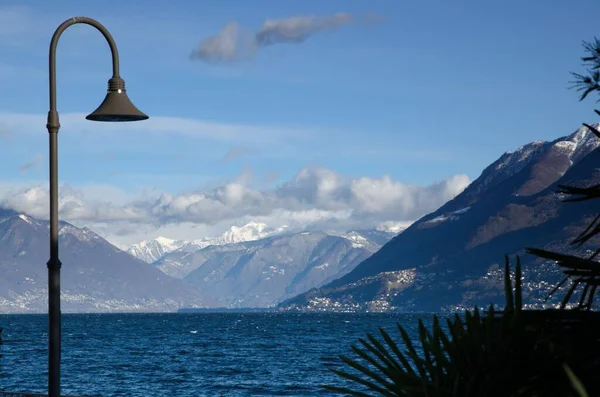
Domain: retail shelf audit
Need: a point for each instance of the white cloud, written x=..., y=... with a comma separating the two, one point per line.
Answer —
x=74, y=204
x=298, y=29
x=29, y=123
x=233, y=44
x=228, y=46
x=316, y=197
x=379, y=195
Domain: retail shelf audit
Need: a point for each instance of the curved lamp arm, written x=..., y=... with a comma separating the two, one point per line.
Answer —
x=53, y=122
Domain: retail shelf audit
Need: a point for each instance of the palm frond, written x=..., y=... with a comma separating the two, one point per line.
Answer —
x=575, y=382
x=591, y=128
x=589, y=82
x=581, y=271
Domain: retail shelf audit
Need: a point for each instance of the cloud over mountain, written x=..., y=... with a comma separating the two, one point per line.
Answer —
x=315, y=195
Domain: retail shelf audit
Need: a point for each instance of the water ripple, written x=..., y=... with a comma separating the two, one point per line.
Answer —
x=247, y=354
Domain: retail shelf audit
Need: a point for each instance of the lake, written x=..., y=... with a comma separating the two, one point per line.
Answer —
x=189, y=354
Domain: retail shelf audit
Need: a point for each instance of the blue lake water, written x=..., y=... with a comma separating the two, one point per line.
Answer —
x=196, y=354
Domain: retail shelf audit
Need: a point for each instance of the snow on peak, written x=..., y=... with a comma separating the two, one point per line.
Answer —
x=168, y=244
x=575, y=146
x=579, y=144
x=368, y=239
x=26, y=218
x=151, y=250
x=238, y=234
x=507, y=165
x=356, y=239
x=249, y=232
x=393, y=227
x=81, y=234
x=515, y=160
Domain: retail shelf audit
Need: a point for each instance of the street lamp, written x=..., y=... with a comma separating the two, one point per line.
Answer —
x=115, y=107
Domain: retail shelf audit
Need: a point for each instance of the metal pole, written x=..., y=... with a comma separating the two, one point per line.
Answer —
x=54, y=322
x=54, y=264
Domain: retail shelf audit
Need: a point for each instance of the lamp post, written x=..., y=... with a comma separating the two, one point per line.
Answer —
x=115, y=107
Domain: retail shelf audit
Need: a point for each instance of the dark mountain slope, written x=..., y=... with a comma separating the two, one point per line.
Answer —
x=449, y=258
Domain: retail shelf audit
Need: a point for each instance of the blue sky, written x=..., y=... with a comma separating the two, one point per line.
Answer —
x=423, y=93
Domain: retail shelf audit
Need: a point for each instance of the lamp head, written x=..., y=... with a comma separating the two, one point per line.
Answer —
x=116, y=105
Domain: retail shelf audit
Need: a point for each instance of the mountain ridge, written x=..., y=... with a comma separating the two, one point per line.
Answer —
x=96, y=276
x=438, y=259
x=152, y=250
x=261, y=273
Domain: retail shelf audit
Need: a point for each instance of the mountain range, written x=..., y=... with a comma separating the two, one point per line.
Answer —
x=248, y=266
x=452, y=258
x=152, y=250
x=449, y=259
x=260, y=272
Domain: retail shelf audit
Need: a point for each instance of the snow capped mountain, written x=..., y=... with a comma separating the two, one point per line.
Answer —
x=369, y=239
x=152, y=250
x=563, y=153
x=578, y=144
x=29, y=220
x=261, y=273
x=356, y=239
x=249, y=232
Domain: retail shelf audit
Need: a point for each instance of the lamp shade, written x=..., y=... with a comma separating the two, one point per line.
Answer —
x=116, y=106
